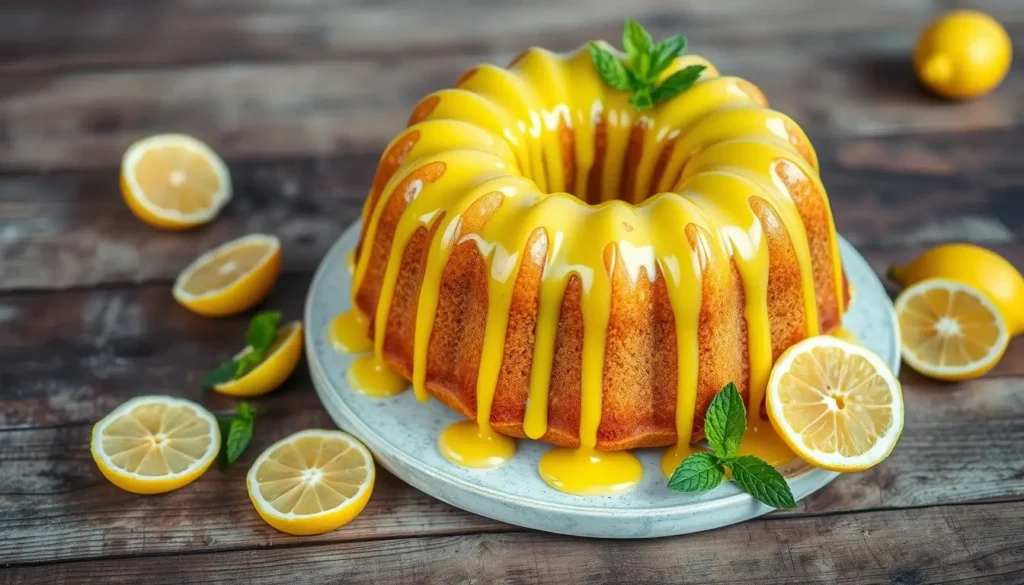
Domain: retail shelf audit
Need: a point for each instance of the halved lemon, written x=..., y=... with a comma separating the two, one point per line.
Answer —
x=232, y=277
x=311, y=482
x=279, y=363
x=836, y=404
x=950, y=330
x=155, y=444
x=174, y=181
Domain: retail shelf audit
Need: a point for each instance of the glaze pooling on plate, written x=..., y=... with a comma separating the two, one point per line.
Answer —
x=399, y=429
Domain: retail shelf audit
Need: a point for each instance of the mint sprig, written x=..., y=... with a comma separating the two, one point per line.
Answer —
x=724, y=425
x=235, y=433
x=647, y=61
x=259, y=338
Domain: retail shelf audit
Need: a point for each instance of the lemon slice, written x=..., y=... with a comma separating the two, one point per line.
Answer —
x=836, y=404
x=174, y=181
x=279, y=363
x=311, y=482
x=950, y=330
x=155, y=444
x=232, y=277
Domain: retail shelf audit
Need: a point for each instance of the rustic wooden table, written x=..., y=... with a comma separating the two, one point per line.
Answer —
x=300, y=97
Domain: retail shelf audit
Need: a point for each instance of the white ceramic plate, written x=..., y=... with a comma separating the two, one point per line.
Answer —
x=402, y=434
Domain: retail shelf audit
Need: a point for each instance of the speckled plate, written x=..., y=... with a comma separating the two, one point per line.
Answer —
x=402, y=434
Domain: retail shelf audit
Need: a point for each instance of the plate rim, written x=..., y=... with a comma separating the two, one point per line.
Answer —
x=336, y=408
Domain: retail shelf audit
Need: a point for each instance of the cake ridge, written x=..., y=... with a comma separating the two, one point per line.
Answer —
x=502, y=135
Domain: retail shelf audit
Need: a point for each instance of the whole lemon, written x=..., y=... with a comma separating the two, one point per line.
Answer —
x=963, y=54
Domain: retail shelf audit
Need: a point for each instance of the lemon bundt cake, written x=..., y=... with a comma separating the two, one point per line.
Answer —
x=541, y=256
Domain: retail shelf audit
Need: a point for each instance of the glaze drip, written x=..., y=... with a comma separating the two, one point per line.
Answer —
x=682, y=193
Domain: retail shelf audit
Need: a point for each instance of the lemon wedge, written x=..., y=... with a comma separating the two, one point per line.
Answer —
x=311, y=482
x=836, y=404
x=282, y=359
x=950, y=330
x=155, y=444
x=231, y=278
x=174, y=181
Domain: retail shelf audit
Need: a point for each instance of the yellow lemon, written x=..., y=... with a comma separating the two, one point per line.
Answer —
x=279, y=363
x=174, y=181
x=836, y=404
x=230, y=278
x=311, y=482
x=973, y=265
x=963, y=54
x=155, y=444
x=949, y=330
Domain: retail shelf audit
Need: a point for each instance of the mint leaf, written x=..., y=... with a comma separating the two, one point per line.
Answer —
x=677, y=83
x=725, y=421
x=222, y=373
x=245, y=410
x=248, y=362
x=236, y=433
x=641, y=100
x=698, y=472
x=611, y=70
x=263, y=330
x=665, y=52
x=762, y=481
x=637, y=44
x=224, y=423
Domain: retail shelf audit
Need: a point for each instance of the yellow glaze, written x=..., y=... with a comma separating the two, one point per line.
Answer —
x=846, y=335
x=589, y=472
x=347, y=332
x=499, y=133
x=350, y=261
x=471, y=445
x=371, y=376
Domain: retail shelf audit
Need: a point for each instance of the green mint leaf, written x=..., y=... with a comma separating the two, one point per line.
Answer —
x=263, y=330
x=697, y=473
x=641, y=100
x=248, y=362
x=677, y=83
x=245, y=410
x=224, y=423
x=665, y=52
x=237, y=439
x=762, y=481
x=222, y=373
x=611, y=70
x=725, y=421
x=637, y=43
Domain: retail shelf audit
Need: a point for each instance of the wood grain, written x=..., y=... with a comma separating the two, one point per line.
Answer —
x=68, y=358
x=72, y=229
x=861, y=86
x=300, y=98
x=964, y=543
x=60, y=35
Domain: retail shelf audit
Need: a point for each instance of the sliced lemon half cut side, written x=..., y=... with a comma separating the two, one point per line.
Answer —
x=311, y=482
x=232, y=277
x=836, y=404
x=950, y=330
x=174, y=181
x=155, y=444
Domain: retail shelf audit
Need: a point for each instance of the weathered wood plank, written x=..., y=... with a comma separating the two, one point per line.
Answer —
x=56, y=506
x=53, y=35
x=72, y=229
x=859, y=86
x=943, y=544
x=66, y=359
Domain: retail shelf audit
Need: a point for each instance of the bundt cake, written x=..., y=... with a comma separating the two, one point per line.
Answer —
x=542, y=257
